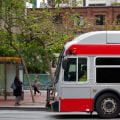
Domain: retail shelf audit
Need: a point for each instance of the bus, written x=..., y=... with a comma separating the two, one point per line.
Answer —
x=87, y=77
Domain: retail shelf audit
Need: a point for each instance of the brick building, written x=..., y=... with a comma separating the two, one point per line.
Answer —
x=91, y=18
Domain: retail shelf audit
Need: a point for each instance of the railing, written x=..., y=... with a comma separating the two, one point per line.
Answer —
x=44, y=79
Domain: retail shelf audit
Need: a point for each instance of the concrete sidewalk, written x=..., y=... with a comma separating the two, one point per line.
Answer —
x=40, y=101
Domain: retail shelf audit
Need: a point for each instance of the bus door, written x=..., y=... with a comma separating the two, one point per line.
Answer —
x=75, y=94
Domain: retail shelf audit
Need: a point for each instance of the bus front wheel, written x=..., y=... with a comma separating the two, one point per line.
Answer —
x=108, y=106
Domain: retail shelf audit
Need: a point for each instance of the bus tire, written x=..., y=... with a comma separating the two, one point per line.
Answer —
x=108, y=106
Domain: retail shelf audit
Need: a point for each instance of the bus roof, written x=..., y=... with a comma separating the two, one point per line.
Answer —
x=97, y=37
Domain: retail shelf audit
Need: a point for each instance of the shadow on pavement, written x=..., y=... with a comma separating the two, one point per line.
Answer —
x=75, y=116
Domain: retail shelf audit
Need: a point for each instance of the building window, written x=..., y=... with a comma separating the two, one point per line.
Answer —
x=78, y=20
x=97, y=5
x=107, y=70
x=118, y=19
x=57, y=19
x=100, y=20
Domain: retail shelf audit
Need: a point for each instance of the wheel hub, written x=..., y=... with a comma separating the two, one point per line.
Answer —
x=109, y=105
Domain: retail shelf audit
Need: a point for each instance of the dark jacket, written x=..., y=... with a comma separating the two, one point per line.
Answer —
x=18, y=90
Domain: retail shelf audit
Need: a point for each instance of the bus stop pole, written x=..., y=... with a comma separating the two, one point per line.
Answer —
x=5, y=82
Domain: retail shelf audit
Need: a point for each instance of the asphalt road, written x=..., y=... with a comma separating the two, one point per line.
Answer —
x=44, y=115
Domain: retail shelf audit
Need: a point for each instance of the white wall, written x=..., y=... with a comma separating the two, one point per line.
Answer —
x=29, y=5
x=39, y=3
x=97, y=1
x=107, y=2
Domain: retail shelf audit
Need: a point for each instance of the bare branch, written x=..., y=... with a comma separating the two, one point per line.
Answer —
x=49, y=44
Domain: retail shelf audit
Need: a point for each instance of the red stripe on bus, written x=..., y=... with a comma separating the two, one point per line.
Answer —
x=67, y=105
x=94, y=49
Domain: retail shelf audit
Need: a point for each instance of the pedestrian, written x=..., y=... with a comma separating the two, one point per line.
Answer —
x=18, y=90
x=36, y=85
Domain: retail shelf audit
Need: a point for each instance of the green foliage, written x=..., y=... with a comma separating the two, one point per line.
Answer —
x=13, y=25
x=19, y=27
x=115, y=3
x=34, y=57
x=7, y=51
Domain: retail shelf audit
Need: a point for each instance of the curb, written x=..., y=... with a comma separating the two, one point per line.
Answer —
x=28, y=108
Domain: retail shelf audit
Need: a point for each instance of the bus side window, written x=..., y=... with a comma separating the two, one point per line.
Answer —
x=82, y=69
x=70, y=70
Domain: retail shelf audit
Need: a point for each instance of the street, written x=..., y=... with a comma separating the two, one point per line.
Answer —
x=45, y=115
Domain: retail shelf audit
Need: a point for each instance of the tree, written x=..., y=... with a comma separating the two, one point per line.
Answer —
x=12, y=14
x=35, y=25
x=115, y=3
x=42, y=29
x=33, y=54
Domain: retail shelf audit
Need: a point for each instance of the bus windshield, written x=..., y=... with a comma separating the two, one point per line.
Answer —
x=56, y=76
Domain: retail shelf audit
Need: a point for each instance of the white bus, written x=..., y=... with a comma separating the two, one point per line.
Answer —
x=88, y=75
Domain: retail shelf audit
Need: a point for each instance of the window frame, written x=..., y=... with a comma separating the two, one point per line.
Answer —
x=96, y=17
x=77, y=81
x=118, y=19
x=57, y=19
x=80, y=22
x=99, y=5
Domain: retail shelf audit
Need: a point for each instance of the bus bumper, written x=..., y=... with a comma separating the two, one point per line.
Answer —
x=55, y=106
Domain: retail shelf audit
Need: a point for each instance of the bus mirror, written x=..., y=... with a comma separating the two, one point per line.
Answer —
x=64, y=63
x=70, y=51
x=54, y=63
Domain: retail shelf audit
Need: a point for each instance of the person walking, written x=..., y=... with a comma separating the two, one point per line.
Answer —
x=18, y=91
x=36, y=85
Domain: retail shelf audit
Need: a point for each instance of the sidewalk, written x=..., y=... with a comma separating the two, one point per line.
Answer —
x=40, y=101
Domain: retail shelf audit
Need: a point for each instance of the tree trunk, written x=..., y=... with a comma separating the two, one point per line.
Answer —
x=49, y=67
x=46, y=55
x=50, y=71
